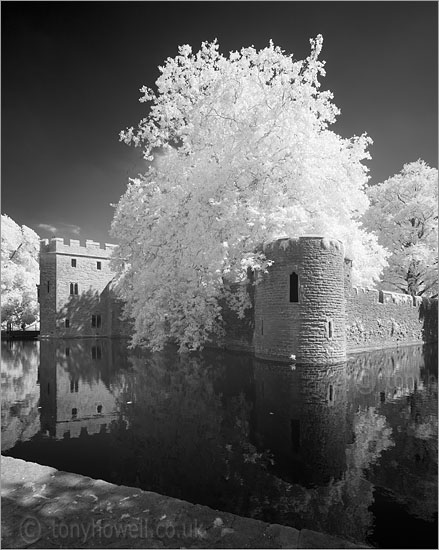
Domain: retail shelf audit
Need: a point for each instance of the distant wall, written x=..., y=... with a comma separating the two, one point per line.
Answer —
x=378, y=319
x=112, y=306
x=238, y=332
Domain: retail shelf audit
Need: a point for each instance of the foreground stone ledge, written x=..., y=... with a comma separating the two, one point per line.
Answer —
x=45, y=508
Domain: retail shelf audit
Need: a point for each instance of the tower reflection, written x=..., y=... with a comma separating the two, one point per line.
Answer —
x=79, y=386
x=300, y=415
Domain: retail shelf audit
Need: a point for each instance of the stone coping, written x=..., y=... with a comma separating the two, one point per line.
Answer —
x=46, y=508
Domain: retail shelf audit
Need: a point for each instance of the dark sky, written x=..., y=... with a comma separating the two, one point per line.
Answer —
x=71, y=74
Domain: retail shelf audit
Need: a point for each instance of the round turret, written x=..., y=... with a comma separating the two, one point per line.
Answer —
x=300, y=304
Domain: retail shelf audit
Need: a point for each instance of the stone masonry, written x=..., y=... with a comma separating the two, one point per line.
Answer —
x=73, y=278
x=304, y=307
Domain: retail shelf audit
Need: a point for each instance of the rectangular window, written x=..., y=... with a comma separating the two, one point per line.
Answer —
x=96, y=321
x=96, y=352
x=67, y=323
x=73, y=262
x=73, y=288
x=48, y=286
x=67, y=352
x=99, y=265
x=76, y=288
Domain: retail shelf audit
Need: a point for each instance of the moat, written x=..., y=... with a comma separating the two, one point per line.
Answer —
x=349, y=450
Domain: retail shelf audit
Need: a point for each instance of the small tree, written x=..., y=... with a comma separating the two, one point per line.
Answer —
x=20, y=273
x=404, y=213
x=246, y=156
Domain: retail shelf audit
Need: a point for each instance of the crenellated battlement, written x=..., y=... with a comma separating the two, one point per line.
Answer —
x=75, y=247
x=326, y=243
x=387, y=297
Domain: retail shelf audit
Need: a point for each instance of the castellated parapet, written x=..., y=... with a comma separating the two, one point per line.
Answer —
x=377, y=319
x=73, y=247
x=299, y=302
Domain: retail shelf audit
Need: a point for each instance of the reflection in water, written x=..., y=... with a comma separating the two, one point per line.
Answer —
x=80, y=381
x=340, y=449
x=20, y=391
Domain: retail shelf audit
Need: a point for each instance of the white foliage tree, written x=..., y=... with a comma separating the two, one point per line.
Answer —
x=246, y=156
x=404, y=213
x=20, y=273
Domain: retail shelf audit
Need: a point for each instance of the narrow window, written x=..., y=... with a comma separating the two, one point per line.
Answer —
x=72, y=386
x=93, y=320
x=71, y=288
x=294, y=287
x=330, y=329
x=76, y=386
x=73, y=262
x=67, y=352
x=99, y=265
x=99, y=409
x=76, y=288
x=331, y=393
x=98, y=321
x=96, y=352
x=74, y=412
x=48, y=286
x=381, y=297
x=295, y=434
x=382, y=397
x=262, y=327
x=67, y=323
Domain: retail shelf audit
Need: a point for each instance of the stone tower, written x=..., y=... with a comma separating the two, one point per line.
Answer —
x=72, y=280
x=300, y=302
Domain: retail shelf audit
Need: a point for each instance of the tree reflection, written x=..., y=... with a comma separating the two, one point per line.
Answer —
x=308, y=447
x=20, y=391
x=189, y=428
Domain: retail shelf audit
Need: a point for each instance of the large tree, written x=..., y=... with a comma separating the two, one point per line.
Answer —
x=404, y=213
x=240, y=153
x=20, y=273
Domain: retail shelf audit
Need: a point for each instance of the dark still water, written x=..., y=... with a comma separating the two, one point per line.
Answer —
x=349, y=450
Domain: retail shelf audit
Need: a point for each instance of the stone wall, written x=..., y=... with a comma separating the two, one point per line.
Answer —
x=112, y=306
x=276, y=318
x=329, y=317
x=379, y=319
x=47, y=294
